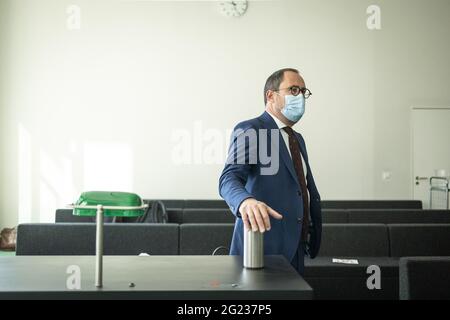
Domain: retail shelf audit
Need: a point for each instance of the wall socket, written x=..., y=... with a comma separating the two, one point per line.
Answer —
x=386, y=175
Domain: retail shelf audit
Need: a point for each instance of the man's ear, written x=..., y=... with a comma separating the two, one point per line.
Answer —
x=269, y=96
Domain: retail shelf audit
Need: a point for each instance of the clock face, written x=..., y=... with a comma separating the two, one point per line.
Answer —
x=233, y=8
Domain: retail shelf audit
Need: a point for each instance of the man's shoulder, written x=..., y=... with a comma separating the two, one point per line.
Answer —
x=254, y=123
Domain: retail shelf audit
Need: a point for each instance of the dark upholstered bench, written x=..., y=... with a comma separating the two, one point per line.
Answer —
x=354, y=240
x=79, y=239
x=205, y=239
x=199, y=215
x=419, y=240
x=334, y=216
x=208, y=216
x=344, y=281
x=390, y=216
x=371, y=204
x=192, y=203
x=424, y=278
x=369, y=244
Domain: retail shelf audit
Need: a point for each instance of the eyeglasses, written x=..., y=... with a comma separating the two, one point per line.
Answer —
x=295, y=90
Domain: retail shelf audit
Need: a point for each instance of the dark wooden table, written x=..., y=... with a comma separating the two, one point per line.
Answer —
x=154, y=277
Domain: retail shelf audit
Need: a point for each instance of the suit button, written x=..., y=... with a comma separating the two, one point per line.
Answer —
x=299, y=192
x=299, y=220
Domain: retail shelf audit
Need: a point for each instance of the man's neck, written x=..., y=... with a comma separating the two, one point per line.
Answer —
x=280, y=117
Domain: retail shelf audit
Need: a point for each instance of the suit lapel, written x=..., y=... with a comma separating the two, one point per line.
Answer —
x=269, y=123
x=284, y=154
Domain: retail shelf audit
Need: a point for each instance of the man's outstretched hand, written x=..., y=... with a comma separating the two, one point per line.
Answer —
x=255, y=215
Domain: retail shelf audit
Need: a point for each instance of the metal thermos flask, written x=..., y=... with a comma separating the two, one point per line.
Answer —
x=253, y=249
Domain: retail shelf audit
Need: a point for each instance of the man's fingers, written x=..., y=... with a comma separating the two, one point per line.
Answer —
x=259, y=219
x=245, y=220
x=252, y=219
x=265, y=215
x=256, y=215
x=274, y=214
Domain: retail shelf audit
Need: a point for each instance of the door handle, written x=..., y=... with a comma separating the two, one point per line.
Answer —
x=420, y=178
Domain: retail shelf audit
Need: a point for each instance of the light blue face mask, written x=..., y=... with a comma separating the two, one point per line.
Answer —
x=294, y=107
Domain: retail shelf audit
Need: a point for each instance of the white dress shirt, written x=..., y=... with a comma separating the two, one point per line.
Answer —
x=285, y=136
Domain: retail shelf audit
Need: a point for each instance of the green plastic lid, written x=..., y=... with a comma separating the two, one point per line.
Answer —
x=108, y=198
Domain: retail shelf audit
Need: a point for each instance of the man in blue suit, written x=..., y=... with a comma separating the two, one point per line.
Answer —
x=279, y=198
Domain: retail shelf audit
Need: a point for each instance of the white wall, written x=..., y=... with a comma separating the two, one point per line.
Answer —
x=101, y=107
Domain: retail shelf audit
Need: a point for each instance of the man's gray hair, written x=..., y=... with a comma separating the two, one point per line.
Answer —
x=274, y=81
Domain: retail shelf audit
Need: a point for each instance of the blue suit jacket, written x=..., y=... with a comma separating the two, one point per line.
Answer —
x=280, y=191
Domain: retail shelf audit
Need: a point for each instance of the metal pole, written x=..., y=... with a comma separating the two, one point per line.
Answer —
x=447, y=190
x=431, y=194
x=99, y=248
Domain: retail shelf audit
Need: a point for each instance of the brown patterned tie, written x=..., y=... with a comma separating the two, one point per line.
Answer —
x=298, y=165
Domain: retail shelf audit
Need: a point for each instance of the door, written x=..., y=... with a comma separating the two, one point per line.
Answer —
x=430, y=153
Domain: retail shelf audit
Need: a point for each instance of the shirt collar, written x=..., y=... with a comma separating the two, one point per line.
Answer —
x=278, y=122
